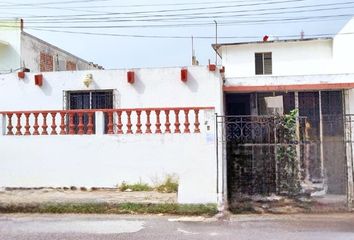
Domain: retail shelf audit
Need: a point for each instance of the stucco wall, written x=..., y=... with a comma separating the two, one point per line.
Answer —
x=302, y=57
x=103, y=160
x=288, y=58
x=154, y=87
x=343, y=48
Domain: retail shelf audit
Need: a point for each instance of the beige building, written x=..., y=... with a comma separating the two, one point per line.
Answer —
x=20, y=50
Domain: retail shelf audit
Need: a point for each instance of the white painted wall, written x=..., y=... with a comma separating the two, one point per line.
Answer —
x=288, y=58
x=154, y=87
x=10, y=53
x=293, y=58
x=343, y=48
x=103, y=160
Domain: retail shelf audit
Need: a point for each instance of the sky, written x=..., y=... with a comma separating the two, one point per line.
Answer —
x=134, y=34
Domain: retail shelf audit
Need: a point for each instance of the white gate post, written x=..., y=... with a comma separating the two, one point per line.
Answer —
x=99, y=123
x=2, y=124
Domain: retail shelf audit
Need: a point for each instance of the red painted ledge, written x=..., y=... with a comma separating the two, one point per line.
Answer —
x=287, y=88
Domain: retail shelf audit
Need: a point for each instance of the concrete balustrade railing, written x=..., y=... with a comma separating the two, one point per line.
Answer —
x=103, y=121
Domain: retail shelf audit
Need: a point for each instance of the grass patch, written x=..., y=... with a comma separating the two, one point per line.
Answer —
x=106, y=208
x=170, y=185
x=136, y=187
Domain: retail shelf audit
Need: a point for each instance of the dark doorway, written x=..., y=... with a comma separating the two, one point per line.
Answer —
x=249, y=151
x=334, y=157
x=238, y=104
x=252, y=142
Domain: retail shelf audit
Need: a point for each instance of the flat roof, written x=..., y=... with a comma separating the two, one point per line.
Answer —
x=217, y=46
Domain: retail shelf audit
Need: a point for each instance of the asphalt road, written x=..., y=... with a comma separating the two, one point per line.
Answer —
x=87, y=227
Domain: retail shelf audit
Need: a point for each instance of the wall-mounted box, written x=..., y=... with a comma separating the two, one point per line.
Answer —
x=184, y=75
x=21, y=75
x=131, y=77
x=38, y=80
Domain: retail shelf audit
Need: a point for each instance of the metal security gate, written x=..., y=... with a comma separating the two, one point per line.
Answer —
x=279, y=155
x=257, y=148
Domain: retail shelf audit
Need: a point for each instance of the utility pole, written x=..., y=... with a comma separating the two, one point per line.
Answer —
x=192, y=46
x=193, y=57
x=216, y=42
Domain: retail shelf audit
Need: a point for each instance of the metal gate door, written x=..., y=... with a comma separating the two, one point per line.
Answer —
x=276, y=154
x=263, y=154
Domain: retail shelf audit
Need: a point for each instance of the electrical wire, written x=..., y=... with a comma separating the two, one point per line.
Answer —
x=127, y=6
x=179, y=9
x=51, y=3
x=234, y=22
x=213, y=15
x=186, y=37
x=158, y=18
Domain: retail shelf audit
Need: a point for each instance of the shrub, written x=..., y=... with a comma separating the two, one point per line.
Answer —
x=136, y=187
x=170, y=185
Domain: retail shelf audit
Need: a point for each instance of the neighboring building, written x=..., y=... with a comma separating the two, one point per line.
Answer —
x=314, y=76
x=221, y=130
x=20, y=50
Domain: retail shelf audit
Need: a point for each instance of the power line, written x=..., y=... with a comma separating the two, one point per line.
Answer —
x=179, y=9
x=243, y=22
x=201, y=15
x=45, y=5
x=11, y=6
x=52, y=3
x=186, y=37
x=183, y=16
x=130, y=5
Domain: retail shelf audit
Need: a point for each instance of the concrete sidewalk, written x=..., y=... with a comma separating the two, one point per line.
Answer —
x=53, y=195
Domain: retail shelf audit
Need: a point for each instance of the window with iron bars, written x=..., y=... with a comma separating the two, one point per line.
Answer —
x=92, y=99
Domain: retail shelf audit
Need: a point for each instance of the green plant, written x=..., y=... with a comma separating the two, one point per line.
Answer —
x=170, y=185
x=287, y=157
x=136, y=187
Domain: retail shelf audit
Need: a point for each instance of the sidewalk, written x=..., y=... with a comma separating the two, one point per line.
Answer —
x=53, y=195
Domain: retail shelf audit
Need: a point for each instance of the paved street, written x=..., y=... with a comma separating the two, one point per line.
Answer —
x=70, y=227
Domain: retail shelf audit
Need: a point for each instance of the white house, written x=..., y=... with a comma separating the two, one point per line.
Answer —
x=315, y=76
x=217, y=128
x=137, y=124
x=20, y=50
